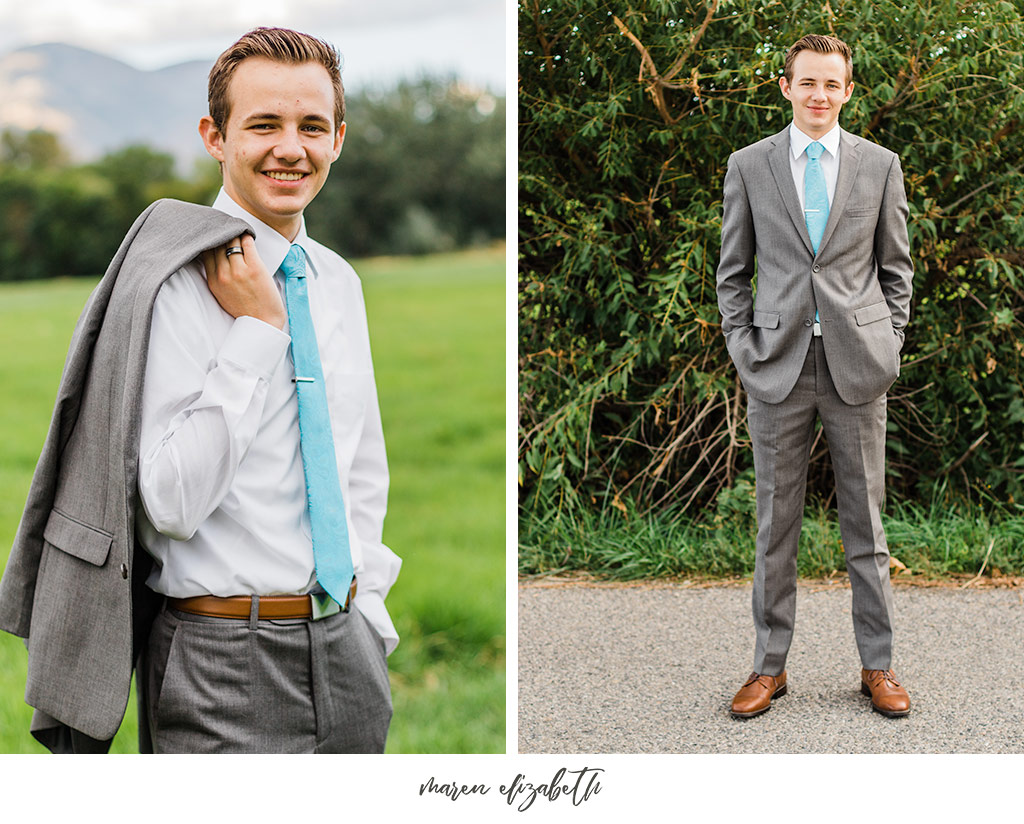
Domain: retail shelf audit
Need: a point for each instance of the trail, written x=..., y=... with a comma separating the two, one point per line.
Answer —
x=652, y=668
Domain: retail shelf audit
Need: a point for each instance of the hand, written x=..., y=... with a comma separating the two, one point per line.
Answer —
x=242, y=285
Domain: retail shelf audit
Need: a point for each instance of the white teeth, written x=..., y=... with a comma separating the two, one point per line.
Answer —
x=285, y=175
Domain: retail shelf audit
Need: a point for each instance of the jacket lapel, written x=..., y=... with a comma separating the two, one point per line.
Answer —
x=849, y=164
x=778, y=160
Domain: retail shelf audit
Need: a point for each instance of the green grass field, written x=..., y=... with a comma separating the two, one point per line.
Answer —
x=437, y=331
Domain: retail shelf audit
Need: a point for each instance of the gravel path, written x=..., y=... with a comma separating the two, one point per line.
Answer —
x=652, y=669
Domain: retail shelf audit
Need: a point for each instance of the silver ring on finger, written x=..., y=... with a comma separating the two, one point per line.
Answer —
x=233, y=250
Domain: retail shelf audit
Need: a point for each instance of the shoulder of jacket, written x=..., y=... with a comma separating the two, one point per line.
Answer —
x=759, y=149
x=869, y=148
x=170, y=233
x=178, y=215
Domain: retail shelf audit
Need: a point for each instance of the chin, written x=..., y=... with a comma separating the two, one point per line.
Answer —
x=286, y=207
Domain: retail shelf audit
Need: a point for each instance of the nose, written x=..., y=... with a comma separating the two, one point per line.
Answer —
x=289, y=147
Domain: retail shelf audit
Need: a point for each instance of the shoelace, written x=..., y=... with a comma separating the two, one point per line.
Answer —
x=755, y=677
x=885, y=675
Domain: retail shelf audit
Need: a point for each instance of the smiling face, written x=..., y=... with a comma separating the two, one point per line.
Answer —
x=819, y=88
x=279, y=140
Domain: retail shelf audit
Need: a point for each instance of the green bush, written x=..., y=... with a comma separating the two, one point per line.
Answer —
x=627, y=117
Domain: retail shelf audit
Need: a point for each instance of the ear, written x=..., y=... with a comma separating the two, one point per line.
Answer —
x=849, y=91
x=339, y=139
x=784, y=85
x=212, y=137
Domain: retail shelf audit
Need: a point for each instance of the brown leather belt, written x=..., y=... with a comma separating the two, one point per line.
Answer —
x=239, y=606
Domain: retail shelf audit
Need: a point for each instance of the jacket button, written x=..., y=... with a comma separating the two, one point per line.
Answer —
x=124, y=571
x=817, y=267
x=808, y=322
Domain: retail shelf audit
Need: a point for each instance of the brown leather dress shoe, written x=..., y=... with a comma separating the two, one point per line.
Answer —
x=757, y=694
x=887, y=695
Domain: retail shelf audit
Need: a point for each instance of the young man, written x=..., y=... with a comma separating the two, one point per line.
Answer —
x=216, y=459
x=223, y=482
x=824, y=216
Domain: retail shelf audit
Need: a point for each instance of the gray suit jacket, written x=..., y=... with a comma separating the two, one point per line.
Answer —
x=74, y=584
x=859, y=282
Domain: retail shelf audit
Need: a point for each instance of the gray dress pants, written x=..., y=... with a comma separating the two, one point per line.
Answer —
x=220, y=685
x=782, y=435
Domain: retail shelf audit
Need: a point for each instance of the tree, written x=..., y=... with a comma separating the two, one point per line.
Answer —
x=32, y=150
x=422, y=170
x=136, y=175
x=627, y=118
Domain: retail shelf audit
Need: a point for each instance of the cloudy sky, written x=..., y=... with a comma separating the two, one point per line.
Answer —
x=381, y=40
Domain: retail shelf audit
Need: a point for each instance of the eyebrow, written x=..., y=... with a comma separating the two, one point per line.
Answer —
x=309, y=118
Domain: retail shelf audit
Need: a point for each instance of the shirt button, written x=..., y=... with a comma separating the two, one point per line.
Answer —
x=124, y=571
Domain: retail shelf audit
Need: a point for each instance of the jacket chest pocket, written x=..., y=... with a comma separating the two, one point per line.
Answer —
x=860, y=214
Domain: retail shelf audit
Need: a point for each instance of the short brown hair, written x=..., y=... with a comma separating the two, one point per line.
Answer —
x=822, y=44
x=284, y=46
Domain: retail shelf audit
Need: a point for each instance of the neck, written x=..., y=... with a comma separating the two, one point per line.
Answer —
x=815, y=134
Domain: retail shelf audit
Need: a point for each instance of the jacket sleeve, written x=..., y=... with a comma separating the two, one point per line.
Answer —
x=892, y=250
x=736, y=264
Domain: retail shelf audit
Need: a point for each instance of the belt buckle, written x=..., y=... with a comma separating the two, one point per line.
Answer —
x=322, y=605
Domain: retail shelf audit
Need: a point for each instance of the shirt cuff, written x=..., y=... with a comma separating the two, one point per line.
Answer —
x=254, y=346
x=376, y=614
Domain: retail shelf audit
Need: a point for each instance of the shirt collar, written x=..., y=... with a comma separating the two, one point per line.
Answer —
x=271, y=245
x=798, y=141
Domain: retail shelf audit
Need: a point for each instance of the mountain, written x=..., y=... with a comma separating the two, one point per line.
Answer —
x=97, y=104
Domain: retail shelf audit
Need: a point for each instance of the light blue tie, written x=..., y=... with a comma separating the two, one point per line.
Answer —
x=331, y=553
x=815, y=197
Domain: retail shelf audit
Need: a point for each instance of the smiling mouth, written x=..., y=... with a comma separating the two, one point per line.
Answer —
x=289, y=176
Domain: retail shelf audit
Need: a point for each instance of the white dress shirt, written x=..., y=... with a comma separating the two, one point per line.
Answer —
x=798, y=143
x=222, y=489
